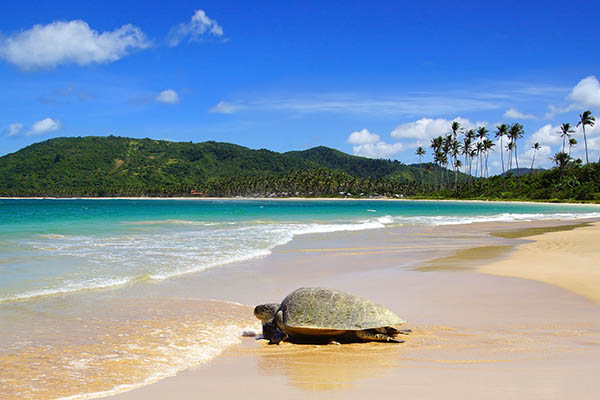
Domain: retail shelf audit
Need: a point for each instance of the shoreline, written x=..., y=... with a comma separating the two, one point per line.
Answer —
x=371, y=264
x=590, y=204
x=455, y=342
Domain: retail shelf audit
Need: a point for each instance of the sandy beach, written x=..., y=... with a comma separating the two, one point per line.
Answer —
x=476, y=335
x=567, y=259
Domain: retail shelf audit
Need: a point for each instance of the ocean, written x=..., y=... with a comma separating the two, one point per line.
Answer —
x=70, y=333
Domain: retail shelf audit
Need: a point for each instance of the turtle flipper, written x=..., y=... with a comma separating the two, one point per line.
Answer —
x=391, y=331
x=267, y=329
x=277, y=336
x=373, y=335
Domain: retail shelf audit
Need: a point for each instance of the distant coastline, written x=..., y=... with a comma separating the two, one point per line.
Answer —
x=245, y=198
x=120, y=167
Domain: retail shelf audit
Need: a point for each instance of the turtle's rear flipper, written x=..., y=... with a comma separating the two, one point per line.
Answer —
x=373, y=335
x=391, y=331
x=277, y=336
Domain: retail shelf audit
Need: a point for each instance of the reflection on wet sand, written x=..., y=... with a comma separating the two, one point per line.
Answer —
x=341, y=367
x=328, y=367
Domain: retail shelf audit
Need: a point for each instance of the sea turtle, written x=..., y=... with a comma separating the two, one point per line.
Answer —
x=320, y=314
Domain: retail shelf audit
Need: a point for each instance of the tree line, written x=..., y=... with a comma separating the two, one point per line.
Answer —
x=475, y=146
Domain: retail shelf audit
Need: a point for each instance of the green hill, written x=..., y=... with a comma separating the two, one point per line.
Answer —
x=117, y=166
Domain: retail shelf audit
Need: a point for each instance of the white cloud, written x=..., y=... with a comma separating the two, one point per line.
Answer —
x=168, y=96
x=426, y=129
x=546, y=135
x=360, y=104
x=367, y=144
x=516, y=114
x=14, y=129
x=224, y=107
x=541, y=157
x=586, y=93
x=549, y=137
x=553, y=110
x=199, y=25
x=69, y=42
x=378, y=149
x=44, y=126
x=363, y=137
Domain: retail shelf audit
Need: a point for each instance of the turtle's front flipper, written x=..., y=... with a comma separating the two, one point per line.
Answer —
x=277, y=336
x=373, y=335
x=267, y=328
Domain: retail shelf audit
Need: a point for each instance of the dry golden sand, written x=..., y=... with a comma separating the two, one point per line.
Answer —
x=567, y=259
x=476, y=336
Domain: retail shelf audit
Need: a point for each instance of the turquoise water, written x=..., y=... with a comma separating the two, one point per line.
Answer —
x=49, y=247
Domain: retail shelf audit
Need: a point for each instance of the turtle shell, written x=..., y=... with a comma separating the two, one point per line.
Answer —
x=329, y=309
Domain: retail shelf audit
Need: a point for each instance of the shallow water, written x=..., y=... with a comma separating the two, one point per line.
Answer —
x=95, y=296
x=50, y=247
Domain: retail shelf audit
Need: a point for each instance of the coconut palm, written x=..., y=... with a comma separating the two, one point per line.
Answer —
x=436, y=147
x=586, y=118
x=442, y=159
x=455, y=129
x=510, y=147
x=454, y=152
x=515, y=133
x=479, y=147
x=535, y=148
x=572, y=143
x=501, y=130
x=565, y=132
x=447, y=144
x=561, y=160
x=482, y=134
x=487, y=147
x=466, y=151
x=421, y=152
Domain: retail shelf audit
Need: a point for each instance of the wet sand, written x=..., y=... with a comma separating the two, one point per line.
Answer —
x=475, y=335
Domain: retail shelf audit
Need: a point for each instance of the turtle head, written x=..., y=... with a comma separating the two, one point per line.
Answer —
x=266, y=312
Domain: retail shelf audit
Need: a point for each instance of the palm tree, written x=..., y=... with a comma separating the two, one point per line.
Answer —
x=572, y=143
x=481, y=135
x=466, y=149
x=436, y=147
x=510, y=147
x=516, y=132
x=586, y=119
x=455, y=128
x=447, y=143
x=535, y=148
x=455, y=151
x=501, y=130
x=479, y=147
x=442, y=159
x=487, y=146
x=421, y=152
x=561, y=159
x=565, y=132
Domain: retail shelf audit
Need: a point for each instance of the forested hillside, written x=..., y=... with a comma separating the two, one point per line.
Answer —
x=117, y=166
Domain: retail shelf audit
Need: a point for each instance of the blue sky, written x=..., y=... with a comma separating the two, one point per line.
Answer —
x=293, y=75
